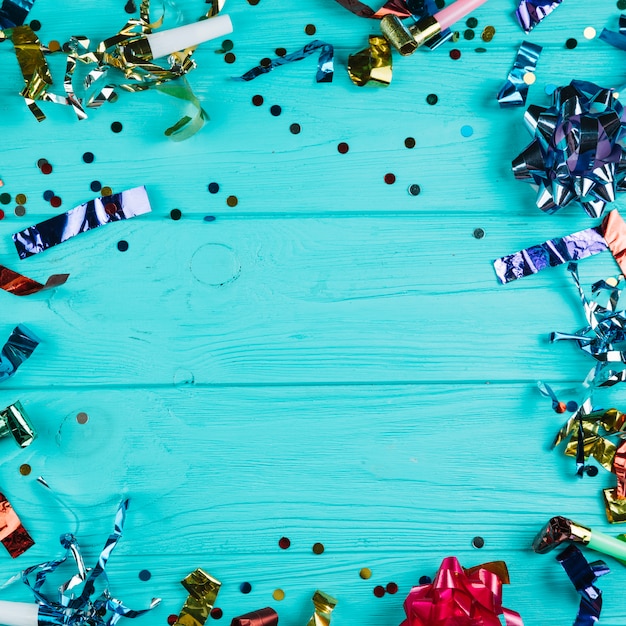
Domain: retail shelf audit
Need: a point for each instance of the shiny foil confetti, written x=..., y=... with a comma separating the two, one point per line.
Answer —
x=203, y=590
x=576, y=156
x=325, y=65
x=78, y=601
x=618, y=40
x=457, y=595
x=262, y=617
x=604, y=337
x=324, y=605
x=373, y=65
x=14, y=12
x=14, y=421
x=20, y=345
x=583, y=576
x=87, y=216
x=551, y=253
x=20, y=285
x=515, y=90
x=13, y=535
x=530, y=12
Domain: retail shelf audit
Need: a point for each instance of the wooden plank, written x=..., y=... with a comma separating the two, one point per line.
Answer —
x=269, y=301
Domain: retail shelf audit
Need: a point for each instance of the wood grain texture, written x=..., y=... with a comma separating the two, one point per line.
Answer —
x=332, y=359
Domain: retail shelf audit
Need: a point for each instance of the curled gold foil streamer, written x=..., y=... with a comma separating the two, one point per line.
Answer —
x=324, y=605
x=615, y=507
x=203, y=590
x=373, y=65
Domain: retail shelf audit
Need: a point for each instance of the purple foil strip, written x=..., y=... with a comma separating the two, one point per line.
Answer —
x=530, y=12
x=551, y=253
x=86, y=216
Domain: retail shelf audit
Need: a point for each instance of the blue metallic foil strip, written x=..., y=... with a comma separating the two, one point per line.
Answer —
x=325, y=66
x=618, y=40
x=69, y=609
x=515, y=90
x=551, y=253
x=583, y=576
x=19, y=346
x=530, y=12
x=87, y=216
x=14, y=12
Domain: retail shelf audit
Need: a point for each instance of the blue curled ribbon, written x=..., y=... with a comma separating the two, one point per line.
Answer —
x=530, y=12
x=515, y=90
x=583, y=576
x=71, y=610
x=325, y=66
x=576, y=155
x=14, y=12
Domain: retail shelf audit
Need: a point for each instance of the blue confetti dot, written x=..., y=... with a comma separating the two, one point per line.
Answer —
x=572, y=406
x=245, y=587
x=425, y=580
x=550, y=89
x=145, y=575
x=467, y=131
x=48, y=195
x=209, y=218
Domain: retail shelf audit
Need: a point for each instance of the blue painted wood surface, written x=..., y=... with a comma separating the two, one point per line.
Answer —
x=332, y=359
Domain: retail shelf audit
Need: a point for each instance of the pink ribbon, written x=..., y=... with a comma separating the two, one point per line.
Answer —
x=459, y=598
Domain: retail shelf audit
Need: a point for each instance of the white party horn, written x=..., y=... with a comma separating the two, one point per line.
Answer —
x=19, y=613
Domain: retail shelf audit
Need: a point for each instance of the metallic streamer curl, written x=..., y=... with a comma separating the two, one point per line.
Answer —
x=530, y=12
x=19, y=346
x=515, y=90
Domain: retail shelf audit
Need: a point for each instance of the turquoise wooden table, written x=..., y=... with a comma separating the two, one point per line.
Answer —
x=331, y=360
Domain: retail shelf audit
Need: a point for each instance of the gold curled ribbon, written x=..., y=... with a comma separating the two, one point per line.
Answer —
x=373, y=65
x=203, y=590
x=324, y=605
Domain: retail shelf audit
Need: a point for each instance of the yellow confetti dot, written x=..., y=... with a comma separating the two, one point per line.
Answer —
x=54, y=46
x=106, y=191
x=25, y=469
x=278, y=595
x=530, y=78
x=589, y=32
x=20, y=198
x=365, y=573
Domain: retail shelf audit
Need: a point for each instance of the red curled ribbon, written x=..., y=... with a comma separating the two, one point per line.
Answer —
x=459, y=597
x=262, y=617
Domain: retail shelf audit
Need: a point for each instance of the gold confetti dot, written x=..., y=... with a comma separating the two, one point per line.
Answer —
x=25, y=469
x=278, y=595
x=232, y=201
x=106, y=191
x=318, y=548
x=21, y=198
x=54, y=46
x=488, y=33
x=530, y=78
x=589, y=32
x=365, y=573
x=82, y=418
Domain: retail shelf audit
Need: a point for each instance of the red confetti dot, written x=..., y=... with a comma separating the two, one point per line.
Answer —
x=172, y=619
x=379, y=591
x=55, y=201
x=1, y=214
x=110, y=208
x=392, y=588
x=217, y=613
x=284, y=543
x=561, y=407
x=390, y=179
x=343, y=147
x=46, y=168
x=455, y=54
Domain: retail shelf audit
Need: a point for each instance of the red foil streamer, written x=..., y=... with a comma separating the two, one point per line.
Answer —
x=459, y=597
x=395, y=7
x=262, y=617
x=619, y=467
x=13, y=535
x=20, y=285
x=614, y=233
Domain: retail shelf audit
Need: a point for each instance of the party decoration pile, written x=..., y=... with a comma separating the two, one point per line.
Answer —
x=456, y=595
x=577, y=156
x=78, y=601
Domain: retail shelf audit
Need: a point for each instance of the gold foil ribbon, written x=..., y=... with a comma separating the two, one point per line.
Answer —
x=373, y=65
x=324, y=605
x=203, y=590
